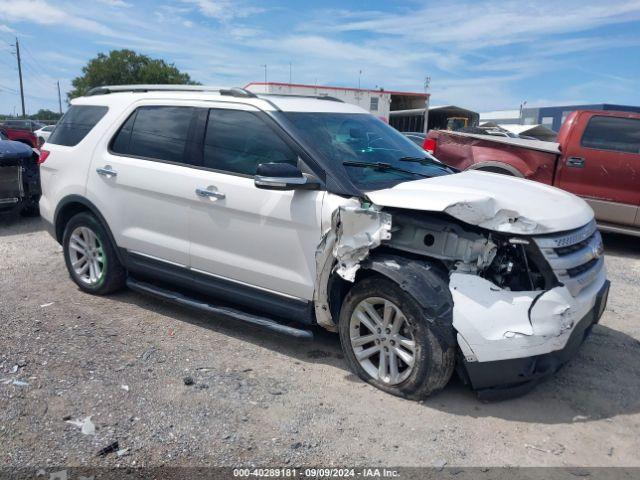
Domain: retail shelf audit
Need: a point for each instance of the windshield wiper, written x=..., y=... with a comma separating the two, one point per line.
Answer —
x=429, y=161
x=422, y=160
x=383, y=166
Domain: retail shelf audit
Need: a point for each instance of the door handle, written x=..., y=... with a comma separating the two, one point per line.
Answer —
x=575, y=162
x=107, y=171
x=206, y=193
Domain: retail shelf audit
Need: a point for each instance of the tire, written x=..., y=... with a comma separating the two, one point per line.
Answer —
x=433, y=361
x=84, y=230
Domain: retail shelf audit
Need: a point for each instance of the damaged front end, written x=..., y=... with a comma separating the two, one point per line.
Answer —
x=355, y=230
x=522, y=304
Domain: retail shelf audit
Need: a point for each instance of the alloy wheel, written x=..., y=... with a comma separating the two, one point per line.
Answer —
x=86, y=255
x=382, y=340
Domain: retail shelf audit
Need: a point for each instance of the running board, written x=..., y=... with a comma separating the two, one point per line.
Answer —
x=255, y=320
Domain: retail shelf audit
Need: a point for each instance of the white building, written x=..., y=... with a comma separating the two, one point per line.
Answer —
x=378, y=102
x=510, y=117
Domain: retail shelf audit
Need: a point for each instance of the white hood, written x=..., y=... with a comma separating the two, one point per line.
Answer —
x=493, y=201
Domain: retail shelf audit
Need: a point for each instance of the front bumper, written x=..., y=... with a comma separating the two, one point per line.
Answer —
x=507, y=378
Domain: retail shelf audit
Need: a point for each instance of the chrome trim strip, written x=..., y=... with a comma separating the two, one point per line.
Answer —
x=561, y=263
x=248, y=285
x=567, y=238
x=219, y=276
x=158, y=259
x=576, y=284
x=591, y=250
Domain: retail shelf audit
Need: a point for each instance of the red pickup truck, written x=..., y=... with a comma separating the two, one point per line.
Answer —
x=20, y=135
x=597, y=156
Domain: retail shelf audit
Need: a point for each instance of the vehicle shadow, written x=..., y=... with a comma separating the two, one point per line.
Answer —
x=15, y=224
x=621, y=245
x=601, y=382
x=323, y=348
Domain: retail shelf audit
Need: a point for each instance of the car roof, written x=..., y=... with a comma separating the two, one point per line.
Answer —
x=120, y=96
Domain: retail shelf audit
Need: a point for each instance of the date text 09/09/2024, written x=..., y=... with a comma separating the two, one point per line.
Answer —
x=316, y=472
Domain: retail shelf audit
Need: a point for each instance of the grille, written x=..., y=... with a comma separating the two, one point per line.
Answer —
x=575, y=257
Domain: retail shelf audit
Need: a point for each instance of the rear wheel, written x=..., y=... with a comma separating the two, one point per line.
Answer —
x=390, y=344
x=90, y=257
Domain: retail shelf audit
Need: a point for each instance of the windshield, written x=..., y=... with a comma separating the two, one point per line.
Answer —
x=373, y=154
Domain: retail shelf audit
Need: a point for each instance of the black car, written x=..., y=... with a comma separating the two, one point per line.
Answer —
x=19, y=178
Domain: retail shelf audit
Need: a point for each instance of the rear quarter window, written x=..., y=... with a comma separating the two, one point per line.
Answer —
x=76, y=124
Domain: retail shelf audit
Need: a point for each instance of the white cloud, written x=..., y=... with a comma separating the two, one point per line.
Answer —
x=224, y=10
x=6, y=29
x=478, y=54
x=473, y=25
x=115, y=3
x=42, y=13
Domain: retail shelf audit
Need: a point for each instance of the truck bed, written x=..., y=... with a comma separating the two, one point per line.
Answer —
x=550, y=147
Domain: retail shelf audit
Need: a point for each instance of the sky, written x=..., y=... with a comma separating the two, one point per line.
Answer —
x=479, y=55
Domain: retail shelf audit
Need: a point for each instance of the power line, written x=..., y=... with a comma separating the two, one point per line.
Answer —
x=9, y=89
x=34, y=76
x=31, y=56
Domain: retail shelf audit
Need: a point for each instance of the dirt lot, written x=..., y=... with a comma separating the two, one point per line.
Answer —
x=263, y=399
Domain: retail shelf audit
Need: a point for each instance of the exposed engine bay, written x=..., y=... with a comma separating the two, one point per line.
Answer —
x=510, y=262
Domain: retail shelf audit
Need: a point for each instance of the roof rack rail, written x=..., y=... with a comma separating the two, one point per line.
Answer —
x=105, y=90
x=316, y=97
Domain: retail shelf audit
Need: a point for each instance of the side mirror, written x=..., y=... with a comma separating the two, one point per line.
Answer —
x=283, y=176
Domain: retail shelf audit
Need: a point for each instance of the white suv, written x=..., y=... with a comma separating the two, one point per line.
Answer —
x=288, y=212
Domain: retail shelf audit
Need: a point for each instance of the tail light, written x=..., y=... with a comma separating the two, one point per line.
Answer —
x=429, y=145
x=44, y=154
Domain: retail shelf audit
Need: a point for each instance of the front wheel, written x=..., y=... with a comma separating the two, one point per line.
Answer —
x=90, y=257
x=390, y=344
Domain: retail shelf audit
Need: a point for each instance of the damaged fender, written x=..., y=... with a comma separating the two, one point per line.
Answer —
x=355, y=230
x=425, y=284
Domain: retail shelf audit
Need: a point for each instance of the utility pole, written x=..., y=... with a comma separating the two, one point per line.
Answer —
x=59, y=97
x=265, y=72
x=427, y=84
x=20, y=75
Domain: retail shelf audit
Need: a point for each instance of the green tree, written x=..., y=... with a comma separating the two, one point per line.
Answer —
x=126, y=67
x=45, y=114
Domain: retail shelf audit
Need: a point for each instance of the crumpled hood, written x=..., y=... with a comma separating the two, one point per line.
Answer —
x=492, y=201
x=10, y=150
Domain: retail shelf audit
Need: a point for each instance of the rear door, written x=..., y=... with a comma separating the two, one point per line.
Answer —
x=602, y=164
x=261, y=238
x=141, y=181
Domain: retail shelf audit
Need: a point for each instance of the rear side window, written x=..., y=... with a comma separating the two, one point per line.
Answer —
x=612, y=133
x=237, y=142
x=155, y=132
x=76, y=124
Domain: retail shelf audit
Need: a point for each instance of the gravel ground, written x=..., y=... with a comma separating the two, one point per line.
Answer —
x=258, y=398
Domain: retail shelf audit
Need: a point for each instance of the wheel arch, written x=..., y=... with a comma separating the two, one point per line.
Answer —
x=497, y=167
x=72, y=205
x=426, y=281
